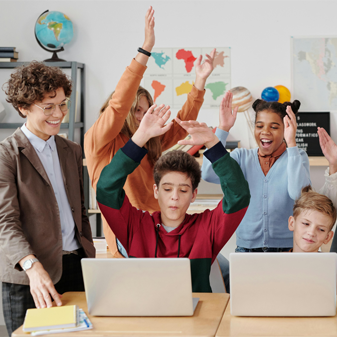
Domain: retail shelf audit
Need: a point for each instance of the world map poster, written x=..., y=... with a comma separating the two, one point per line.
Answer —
x=314, y=72
x=171, y=74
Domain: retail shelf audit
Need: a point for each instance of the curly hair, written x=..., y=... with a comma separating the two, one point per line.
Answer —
x=276, y=107
x=29, y=84
x=311, y=200
x=177, y=161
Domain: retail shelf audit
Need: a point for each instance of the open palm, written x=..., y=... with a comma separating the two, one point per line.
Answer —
x=153, y=122
x=200, y=132
x=203, y=70
x=328, y=146
x=227, y=116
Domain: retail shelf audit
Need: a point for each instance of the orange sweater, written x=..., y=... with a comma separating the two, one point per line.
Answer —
x=104, y=139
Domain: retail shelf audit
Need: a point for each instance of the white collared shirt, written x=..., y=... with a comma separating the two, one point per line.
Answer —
x=47, y=152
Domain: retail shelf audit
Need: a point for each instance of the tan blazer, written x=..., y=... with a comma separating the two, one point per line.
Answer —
x=29, y=214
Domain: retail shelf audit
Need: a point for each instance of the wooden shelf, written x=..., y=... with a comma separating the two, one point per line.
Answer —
x=318, y=161
x=313, y=161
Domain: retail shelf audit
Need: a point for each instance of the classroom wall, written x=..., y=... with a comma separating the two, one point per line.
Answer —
x=108, y=33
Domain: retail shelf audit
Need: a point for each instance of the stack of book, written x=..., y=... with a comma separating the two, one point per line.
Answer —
x=55, y=320
x=8, y=54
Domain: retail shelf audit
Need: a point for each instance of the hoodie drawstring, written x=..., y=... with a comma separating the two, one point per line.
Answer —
x=179, y=245
x=157, y=237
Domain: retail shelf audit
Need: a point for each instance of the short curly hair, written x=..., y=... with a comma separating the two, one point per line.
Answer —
x=30, y=83
x=177, y=161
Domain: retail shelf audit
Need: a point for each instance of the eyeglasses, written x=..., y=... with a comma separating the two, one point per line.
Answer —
x=50, y=108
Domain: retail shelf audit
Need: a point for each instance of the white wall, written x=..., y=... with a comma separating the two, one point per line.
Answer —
x=108, y=33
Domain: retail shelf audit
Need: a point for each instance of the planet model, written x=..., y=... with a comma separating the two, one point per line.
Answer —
x=284, y=93
x=270, y=94
x=242, y=98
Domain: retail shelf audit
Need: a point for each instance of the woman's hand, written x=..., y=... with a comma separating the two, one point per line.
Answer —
x=227, y=116
x=203, y=70
x=149, y=30
x=149, y=37
x=200, y=133
x=329, y=149
x=152, y=124
x=290, y=127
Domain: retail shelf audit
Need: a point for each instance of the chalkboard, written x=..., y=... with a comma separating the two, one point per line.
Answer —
x=306, y=134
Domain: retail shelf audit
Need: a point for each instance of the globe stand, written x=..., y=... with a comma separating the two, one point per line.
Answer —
x=55, y=58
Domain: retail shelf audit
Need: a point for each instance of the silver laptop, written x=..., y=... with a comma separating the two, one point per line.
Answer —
x=138, y=287
x=283, y=284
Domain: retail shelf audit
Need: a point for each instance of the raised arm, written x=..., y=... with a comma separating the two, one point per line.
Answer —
x=194, y=100
x=222, y=222
x=114, y=204
x=298, y=161
x=329, y=149
x=99, y=139
x=227, y=118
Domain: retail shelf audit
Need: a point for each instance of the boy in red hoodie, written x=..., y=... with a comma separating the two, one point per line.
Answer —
x=171, y=232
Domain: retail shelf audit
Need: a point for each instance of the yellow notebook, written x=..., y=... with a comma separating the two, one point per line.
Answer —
x=51, y=318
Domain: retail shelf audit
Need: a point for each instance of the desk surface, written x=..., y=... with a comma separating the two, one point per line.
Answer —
x=204, y=322
x=276, y=326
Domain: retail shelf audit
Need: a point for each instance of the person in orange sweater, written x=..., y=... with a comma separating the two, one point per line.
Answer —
x=120, y=117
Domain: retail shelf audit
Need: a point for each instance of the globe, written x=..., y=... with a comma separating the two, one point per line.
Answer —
x=53, y=30
x=270, y=94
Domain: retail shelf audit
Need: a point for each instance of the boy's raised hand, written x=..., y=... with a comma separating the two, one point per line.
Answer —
x=329, y=149
x=227, y=116
x=200, y=133
x=290, y=127
x=203, y=70
x=152, y=124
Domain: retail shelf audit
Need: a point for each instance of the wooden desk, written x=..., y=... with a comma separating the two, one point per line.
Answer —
x=204, y=322
x=276, y=326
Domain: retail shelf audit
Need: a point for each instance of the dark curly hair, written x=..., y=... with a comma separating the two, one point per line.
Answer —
x=29, y=84
x=177, y=161
x=276, y=107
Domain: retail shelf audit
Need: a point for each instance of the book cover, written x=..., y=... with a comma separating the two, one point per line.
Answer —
x=83, y=324
x=51, y=318
x=7, y=49
x=7, y=59
x=11, y=54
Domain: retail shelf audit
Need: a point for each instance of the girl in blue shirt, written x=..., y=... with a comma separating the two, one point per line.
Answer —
x=276, y=172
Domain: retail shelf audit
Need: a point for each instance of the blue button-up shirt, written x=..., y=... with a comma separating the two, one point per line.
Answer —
x=47, y=152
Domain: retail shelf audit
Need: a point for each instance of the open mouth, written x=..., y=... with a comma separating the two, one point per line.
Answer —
x=266, y=143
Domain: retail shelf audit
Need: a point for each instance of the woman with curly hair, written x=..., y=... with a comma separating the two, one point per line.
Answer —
x=44, y=230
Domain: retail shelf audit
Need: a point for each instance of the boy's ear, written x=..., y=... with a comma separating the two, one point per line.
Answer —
x=194, y=195
x=329, y=237
x=291, y=222
x=155, y=191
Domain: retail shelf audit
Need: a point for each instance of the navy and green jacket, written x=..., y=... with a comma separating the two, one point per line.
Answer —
x=200, y=237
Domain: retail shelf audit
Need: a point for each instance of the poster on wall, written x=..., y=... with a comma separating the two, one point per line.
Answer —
x=314, y=72
x=170, y=76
